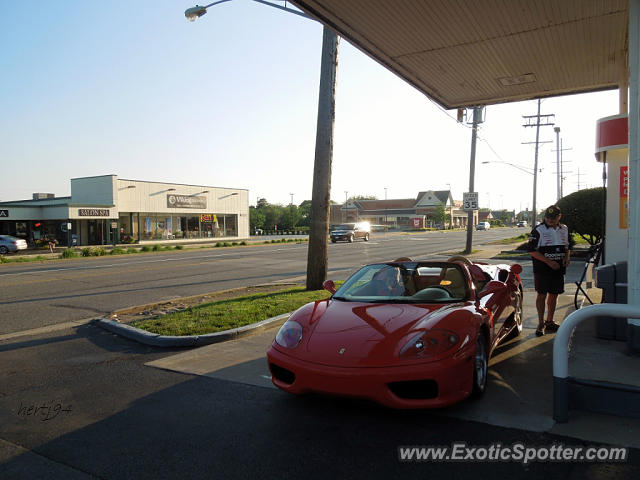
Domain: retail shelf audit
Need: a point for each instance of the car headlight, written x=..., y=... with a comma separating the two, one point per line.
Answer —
x=289, y=335
x=430, y=343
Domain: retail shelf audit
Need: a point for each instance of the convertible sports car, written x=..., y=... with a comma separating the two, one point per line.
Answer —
x=406, y=334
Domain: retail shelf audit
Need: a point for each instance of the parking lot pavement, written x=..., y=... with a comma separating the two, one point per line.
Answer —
x=519, y=394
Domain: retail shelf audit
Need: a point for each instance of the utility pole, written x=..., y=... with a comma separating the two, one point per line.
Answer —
x=477, y=118
x=318, y=251
x=546, y=122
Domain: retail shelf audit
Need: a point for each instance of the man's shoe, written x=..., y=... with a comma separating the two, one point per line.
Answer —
x=540, y=331
x=551, y=326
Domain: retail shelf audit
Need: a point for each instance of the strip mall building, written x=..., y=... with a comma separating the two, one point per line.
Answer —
x=107, y=209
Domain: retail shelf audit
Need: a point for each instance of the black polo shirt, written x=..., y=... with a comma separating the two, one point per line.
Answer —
x=553, y=243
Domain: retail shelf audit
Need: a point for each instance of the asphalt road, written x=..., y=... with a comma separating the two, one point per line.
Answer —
x=78, y=402
x=41, y=294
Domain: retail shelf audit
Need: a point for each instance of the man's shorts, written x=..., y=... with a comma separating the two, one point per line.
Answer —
x=549, y=283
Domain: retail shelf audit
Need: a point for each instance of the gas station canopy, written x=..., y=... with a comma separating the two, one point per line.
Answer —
x=464, y=53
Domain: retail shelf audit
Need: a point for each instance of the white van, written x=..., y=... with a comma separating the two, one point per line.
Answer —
x=483, y=226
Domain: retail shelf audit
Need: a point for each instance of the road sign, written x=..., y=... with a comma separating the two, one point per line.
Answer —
x=470, y=201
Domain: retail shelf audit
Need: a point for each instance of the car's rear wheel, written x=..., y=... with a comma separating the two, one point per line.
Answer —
x=366, y=237
x=480, y=366
x=350, y=238
x=4, y=250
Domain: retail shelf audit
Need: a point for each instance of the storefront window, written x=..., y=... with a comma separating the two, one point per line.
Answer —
x=157, y=226
x=193, y=227
x=231, y=225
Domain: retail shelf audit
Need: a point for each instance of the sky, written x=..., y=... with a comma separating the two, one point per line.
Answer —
x=134, y=89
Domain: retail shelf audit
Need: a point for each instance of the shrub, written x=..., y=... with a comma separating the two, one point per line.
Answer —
x=226, y=244
x=234, y=243
x=68, y=253
x=243, y=243
x=117, y=251
x=156, y=248
x=132, y=250
x=178, y=247
x=582, y=212
x=86, y=252
x=98, y=252
x=219, y=244
x=145, y=248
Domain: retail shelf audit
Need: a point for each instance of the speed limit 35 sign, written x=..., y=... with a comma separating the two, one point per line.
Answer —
x=470, y=201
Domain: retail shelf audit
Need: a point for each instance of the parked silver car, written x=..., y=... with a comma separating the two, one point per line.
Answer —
x=11, y=244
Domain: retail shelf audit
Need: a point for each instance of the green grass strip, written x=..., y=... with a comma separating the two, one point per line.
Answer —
x=227, y=314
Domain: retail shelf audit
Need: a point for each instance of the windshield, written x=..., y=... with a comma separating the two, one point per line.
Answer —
x=411, y=282
x=345, y=226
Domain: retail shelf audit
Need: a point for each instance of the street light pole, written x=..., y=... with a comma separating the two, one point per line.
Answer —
x=385, y=209
x=344, y=210
x=318, y=251
x=558, y=167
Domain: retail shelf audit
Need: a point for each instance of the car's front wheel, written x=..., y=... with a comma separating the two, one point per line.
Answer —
x=516, y=317
x=480, y=366
x=350, y=238
x=4, y=250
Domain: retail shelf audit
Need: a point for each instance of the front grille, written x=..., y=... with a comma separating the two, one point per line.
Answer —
x=282, y=374
x=415, y=389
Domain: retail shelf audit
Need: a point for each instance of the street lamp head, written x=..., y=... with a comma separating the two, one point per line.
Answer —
x=195, y=13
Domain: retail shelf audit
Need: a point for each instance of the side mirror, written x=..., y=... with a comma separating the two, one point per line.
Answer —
x=329, y=286
x=493, y=286
x=516, y=269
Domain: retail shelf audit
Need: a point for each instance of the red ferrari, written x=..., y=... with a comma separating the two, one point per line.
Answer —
x=406, y=334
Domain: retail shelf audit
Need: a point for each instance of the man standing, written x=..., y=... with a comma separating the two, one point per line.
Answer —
x=550, y=249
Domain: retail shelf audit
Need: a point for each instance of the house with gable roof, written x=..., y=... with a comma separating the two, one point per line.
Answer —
x=404, y=213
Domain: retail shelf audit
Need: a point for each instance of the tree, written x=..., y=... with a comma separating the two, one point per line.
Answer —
x=439, y=215
x=256, y=218
x=272, y=215
x=304, y=211
x=504, y=216
x=262, y=202
x=363, y=197
x=288, y=218
x=583, y=213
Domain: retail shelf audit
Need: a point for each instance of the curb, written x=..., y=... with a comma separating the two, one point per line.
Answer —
x=156, y=340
